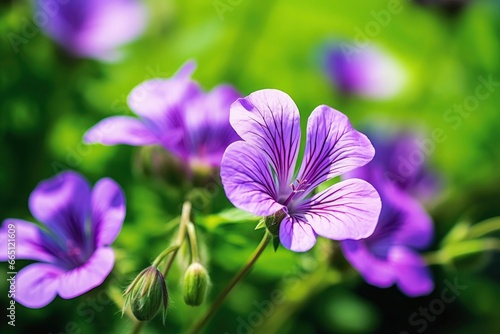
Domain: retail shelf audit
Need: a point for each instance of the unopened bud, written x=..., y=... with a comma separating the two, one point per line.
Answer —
x=195, y=284
x=147, y=294
x=273, y=222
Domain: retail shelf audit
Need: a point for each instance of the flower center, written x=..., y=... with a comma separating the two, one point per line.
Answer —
x=298, y=186
x=74, y=255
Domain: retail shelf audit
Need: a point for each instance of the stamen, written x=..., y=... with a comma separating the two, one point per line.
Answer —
x=297, y=187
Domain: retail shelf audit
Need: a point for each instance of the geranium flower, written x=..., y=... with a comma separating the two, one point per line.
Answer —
x=72, y=245
x=92, y=28
x=389, y=256
x=367, y=71
x=177, y=114
x=257, y=173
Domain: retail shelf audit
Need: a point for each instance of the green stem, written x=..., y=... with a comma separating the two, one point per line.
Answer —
x=222, y=296
x=163, y=254
x=192, y=242
x=185, y=219
x=137, y=327
x=483, y=228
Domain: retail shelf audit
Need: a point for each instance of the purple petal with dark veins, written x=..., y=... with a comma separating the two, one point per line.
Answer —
x=333, y=147
x=347, y=210
x=248, y=181
x=297, y=234
x=269, y=120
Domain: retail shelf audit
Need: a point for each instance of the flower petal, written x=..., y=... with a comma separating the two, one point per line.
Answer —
x=413, y=275
x=109, y=25
x=62, y=203
x=296, y=235
x=160, y=103
x=108, y=211
x=269, y=120
x=209, y=132
x=347, y=210
x=89, y=275
x=415, y=227
x=247, y=180
x=120, y=130
x=93, y=28
x=36, y=285
x=31, y=243
x=375, y=270
x=333, y=147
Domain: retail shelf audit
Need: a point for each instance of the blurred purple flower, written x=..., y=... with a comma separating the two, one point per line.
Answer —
x=402, y=159
x=367, y=71
x=93, y=28
x=257, y=172
x=79, y=224
x=177, y=114
x=389, y=255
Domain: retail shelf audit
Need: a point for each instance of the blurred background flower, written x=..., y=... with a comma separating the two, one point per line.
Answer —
x=365, y=71
x=177, y=114
x=92, y=28
x=72, y=245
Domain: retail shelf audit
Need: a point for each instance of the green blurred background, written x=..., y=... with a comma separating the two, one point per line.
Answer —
x=49, y=99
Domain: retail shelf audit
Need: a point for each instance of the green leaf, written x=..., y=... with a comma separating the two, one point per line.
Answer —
x=230, y=216
x=276, y=243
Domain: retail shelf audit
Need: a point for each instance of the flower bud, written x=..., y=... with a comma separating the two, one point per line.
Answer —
x=147, y=294
x=195, y=284
x=273, y=222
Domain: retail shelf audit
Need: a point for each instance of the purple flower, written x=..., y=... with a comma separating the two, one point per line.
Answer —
x=367, y=71
x=72, y=246
x=389, y=256
x=401, y=159
x=257, y=173
x=177, y=114
x=93, y=28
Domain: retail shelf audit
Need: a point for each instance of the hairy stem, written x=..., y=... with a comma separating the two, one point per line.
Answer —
x=172, y=250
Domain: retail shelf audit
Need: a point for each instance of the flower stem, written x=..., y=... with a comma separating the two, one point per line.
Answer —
x=163, y=254
x=192, y=242
x=222, y=296
x=172, y=250
x=483, y=228
x=137, y=327
x=450, y=252
x=185, y=218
